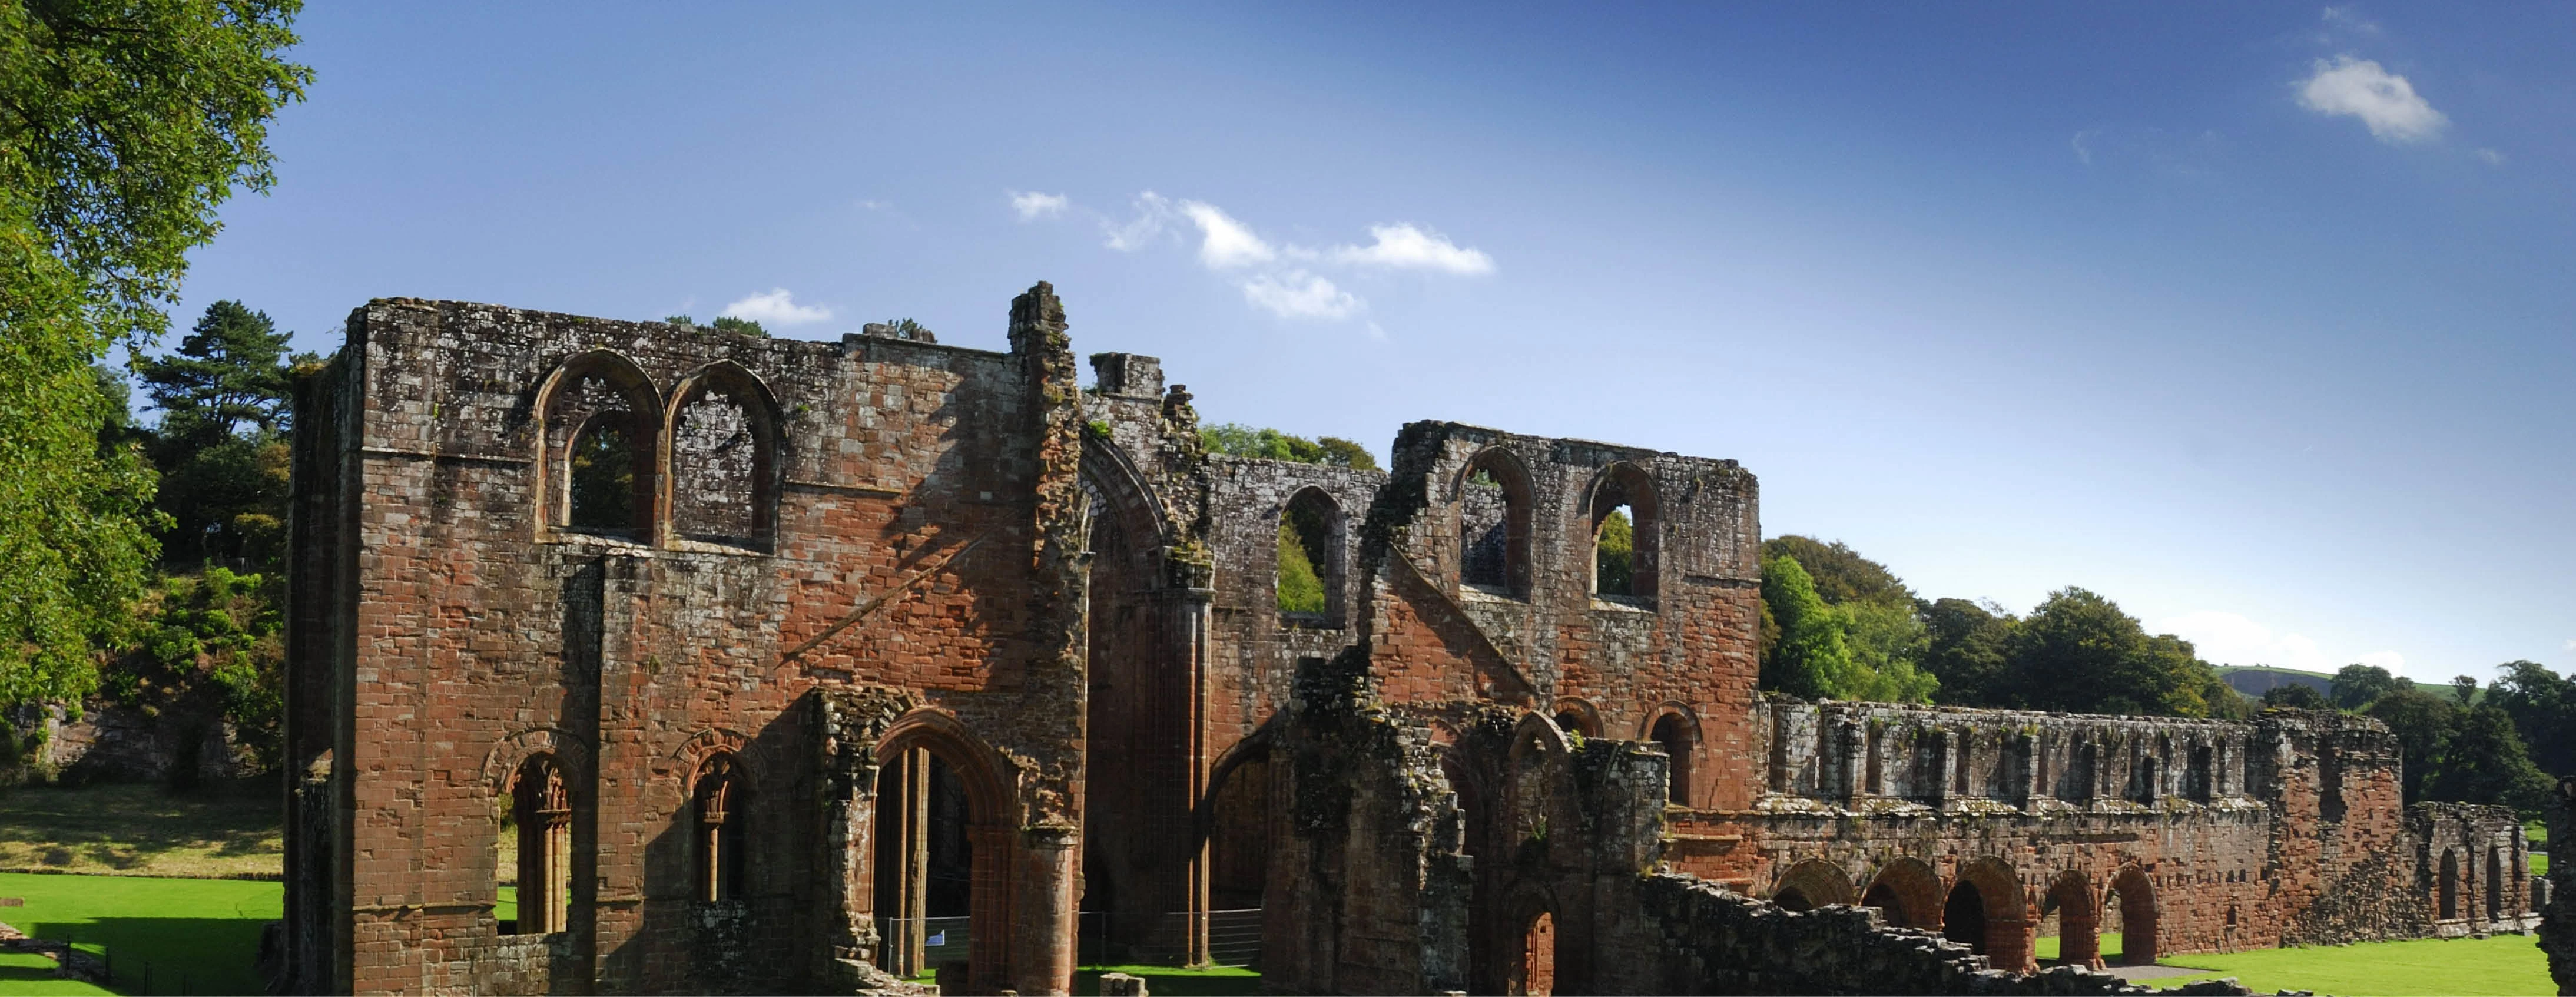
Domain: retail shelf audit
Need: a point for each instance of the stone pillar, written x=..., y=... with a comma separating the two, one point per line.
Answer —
x=2079, y=938
x=1189, y=618
x=1043, y=928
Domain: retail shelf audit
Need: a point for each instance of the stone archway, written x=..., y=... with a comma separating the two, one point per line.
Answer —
x=2137, y=893
x=1811, y=884
x=1988, y=891
x=1907, y=894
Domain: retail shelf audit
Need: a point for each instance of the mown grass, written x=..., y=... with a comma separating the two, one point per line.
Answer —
x=2498, y=966
x=1213, y=981
x=202, y=934
x=33, y=975
x=141, y=830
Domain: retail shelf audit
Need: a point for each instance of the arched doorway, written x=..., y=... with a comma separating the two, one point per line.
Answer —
x=2077, y=924
x=1532, y=968
x=942, y=841
x=1987, y=910
x=1906, y=894
x=2137, y=900
x=1144, y=876
x=2450, y=885
x=1963, y=916
x=1237, y=822
x=2495, y=885
x=1678, y=734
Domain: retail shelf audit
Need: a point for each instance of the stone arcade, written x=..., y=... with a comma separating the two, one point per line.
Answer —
x=744, y=658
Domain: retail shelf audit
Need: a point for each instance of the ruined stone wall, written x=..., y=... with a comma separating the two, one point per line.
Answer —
x=483, y=628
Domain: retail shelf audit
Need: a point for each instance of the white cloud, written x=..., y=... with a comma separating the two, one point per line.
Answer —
x=1033, y=205
x=2571, y=644
x=2345, y=19
x=2381, y=99
x=1152, y=211
x=776, y=307
x=1403, y=246
x=2233, y=639
x=1224, y=243
x=1298, y=294
x=2082, y=144
x=2490, y=157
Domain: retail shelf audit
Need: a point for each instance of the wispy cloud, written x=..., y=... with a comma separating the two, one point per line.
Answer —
x=2234, y=639
x=1032, y=205
x=1299, y=294
x=2490, y=157
x=776, y=307
x=2349, y=21
x=1403, y=247
x=2082, y=143
x=1275, y=277
x=2386, y=102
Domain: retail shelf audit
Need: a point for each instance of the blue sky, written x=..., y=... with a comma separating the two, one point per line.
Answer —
x=2256, y=319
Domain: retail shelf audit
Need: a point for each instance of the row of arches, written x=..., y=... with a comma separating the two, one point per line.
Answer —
x=1985, y=907
x=1493, y=501
x=617, y=457
x=938, y=849
x=2454, y=883
x=1671, y=726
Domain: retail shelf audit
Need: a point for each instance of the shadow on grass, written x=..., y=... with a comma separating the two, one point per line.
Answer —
x=1174, y=982
x=168, y=955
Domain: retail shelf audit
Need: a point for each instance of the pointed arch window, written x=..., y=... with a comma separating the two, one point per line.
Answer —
x=1625, y=525
x=541, y=809
x=1493, y=501
x=724, y=458
x=601, y=433
x=1309, y=568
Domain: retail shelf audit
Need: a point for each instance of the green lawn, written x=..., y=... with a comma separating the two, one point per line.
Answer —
x=1218, y=981
x=2501, y=966
x=126, y=829
x=200, y=933
x=34, y=974
x=2044, y=948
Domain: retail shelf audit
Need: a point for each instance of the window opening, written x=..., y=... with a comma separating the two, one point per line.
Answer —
x=603, y=474
x=1673, y=733
x=542, y=817
x=715, y=469
x=1309, y=561
x=2450, y=885
x=1493, y=526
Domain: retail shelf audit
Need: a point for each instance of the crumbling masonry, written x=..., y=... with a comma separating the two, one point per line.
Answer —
x=764, y=665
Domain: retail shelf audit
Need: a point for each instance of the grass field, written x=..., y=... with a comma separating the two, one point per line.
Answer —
x=198, y=933
x=2500, y=966
x=140, y=830
x=1161, y=980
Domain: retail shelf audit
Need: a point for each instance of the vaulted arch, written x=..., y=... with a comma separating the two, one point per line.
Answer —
x=1676, y=729
x=1812, y=883
x=945, y=842
x=1907, y=894
x=1990, y=893
x=2137, y=895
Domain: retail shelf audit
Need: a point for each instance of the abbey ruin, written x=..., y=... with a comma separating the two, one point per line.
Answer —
x=761, y=665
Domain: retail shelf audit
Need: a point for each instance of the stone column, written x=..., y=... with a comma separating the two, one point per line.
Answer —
x=1043, y=930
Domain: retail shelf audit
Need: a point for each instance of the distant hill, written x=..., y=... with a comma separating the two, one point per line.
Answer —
x=2259, y=679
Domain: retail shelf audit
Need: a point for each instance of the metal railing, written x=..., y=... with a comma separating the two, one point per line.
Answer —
x=1103, y=939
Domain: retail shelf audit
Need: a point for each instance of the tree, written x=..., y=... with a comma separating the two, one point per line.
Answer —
x=2543, y=708
x=123, y=125
x=221, y=446
x=1614, y=551
x=2296, y=696
x=2422, y=723
x=1842, y=575
x=2484, y=762
x=1965, y=647
x=1814, y=656
x=1238, y=440
x=2358, y=685
x=738, y=326
x=2079, y=653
